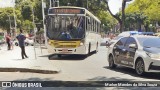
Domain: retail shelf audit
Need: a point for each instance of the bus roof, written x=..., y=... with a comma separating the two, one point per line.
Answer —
x=86, y=11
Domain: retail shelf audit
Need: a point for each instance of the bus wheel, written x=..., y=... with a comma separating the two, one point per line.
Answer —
x=89, y=48
x=59, y=55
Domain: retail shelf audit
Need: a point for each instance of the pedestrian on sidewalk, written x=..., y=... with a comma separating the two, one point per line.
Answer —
x=21, y=39
x=11, y=42
x=8, y=39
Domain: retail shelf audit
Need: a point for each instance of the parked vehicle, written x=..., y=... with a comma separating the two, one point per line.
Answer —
x=139, y=52
x=27, y=42
x=130, y=33
x=157, y=34
x=2, y=38
x=123, y=34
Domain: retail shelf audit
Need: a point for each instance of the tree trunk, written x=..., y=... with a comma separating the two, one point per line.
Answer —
x=146, y=28
x=123, y=15
x=116, y=17
x=122, y=20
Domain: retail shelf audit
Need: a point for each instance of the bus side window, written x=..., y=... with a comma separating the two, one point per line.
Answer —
x=86, y=24
x=93, y=25
x=89, y=25
x=96, y=27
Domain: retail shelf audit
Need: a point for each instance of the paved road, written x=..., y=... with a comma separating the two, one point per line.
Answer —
x=80, y=68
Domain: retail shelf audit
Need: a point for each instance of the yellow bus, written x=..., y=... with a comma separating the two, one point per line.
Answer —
x=72, y=30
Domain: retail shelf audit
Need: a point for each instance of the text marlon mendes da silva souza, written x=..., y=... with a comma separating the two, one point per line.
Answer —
x=130, y=84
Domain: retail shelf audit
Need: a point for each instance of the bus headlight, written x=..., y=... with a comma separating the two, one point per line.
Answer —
x=81, y=44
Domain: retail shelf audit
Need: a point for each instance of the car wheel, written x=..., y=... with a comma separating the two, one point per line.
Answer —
x=111, y=62
x=139, y=67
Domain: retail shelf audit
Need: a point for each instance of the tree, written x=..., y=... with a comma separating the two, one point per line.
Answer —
x=149, y=10
x=122, y=19
x=4, y=18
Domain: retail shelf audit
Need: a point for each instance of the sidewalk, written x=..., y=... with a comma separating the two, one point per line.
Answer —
x=10, y=61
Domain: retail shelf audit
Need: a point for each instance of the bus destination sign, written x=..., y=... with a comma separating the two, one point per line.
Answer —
x=66, y=11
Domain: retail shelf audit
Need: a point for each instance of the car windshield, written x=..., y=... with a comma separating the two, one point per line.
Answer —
x=149, y=42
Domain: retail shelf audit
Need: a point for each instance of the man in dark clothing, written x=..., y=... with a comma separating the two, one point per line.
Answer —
x=21, y=39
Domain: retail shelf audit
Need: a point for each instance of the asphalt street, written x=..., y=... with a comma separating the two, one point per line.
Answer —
x=80, y=68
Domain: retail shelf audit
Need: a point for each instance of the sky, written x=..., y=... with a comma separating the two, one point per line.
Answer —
x=6, y=3
x=113, y=4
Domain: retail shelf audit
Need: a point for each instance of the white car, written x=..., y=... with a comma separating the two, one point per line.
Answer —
x=139, y=52
x=124, y=34
x=27, y=42
x=30, y=41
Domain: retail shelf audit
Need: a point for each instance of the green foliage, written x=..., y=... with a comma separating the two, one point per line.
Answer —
x=26, y=12
x=107, y=20
x=5, y=14
x=148, y=10
x=26, y=9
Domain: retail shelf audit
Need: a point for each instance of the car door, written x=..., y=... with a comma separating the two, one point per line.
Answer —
x=130, y=51
x=117, y=50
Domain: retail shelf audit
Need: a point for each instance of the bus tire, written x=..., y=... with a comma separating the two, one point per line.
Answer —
x=89, y=48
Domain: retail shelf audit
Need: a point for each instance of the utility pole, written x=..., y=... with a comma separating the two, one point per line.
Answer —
x=15, y=23
x=87, y=4
x=44, y=26
x=50, y=3
x=9, y=23
x=34, y=32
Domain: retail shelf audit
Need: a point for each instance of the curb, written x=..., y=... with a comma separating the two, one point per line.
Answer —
x=29, y=70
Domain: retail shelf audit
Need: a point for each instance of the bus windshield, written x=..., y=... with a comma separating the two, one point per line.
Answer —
x=65, y=27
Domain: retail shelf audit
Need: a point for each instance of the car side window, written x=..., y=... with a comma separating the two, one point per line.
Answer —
x=122, y=41
x=129, y=41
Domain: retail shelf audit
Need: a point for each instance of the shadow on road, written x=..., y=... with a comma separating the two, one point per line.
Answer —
x=70, y=57
x=67, y=57
x=133, y=73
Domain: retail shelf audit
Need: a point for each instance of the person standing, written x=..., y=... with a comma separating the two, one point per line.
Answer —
x=8, y=39
x=21, y=40
x=11, y=43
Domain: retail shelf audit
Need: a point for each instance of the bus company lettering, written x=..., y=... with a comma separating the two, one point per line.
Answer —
x=15, y=84
x=67, y=11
